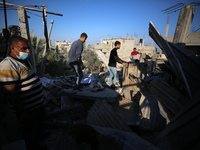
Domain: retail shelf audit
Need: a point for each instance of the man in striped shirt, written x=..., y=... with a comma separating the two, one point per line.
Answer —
x=23, y=89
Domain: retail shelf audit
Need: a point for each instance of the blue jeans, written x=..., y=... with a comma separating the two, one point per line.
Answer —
x=79, y=74
x=113, y=73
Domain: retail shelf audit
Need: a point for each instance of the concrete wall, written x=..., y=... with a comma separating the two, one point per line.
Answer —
x=193, y=39
x=63, y=45
x=127, y=45
x=192, y=42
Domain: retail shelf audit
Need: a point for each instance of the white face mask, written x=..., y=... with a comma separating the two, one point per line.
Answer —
x=22, y=55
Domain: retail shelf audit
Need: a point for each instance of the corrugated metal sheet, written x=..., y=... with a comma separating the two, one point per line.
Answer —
x=151, y=113
x=102, y=114
x=184, y=64
x=169, y=97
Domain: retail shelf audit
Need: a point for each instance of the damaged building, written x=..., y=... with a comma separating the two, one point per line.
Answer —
x=155, y=107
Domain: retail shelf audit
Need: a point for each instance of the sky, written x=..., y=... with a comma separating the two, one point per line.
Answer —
x=100, y=18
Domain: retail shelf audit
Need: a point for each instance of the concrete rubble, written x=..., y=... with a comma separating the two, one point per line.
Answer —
x=142, y=110
x=146, y=102
x=155, y=105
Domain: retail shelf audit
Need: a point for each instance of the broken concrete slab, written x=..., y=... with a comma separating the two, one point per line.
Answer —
x=86, y=94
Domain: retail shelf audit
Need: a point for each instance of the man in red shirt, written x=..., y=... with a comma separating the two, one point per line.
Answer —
x=134, y=52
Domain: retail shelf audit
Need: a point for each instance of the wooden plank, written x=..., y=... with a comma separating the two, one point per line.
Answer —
x=24, y=7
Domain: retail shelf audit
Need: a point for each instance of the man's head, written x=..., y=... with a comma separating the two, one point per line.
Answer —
x=134, y=49
x=117, y=44
x=19, y=47
x=83, y=37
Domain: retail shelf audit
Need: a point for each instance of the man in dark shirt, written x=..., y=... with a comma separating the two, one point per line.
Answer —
x=75, y=58
x=112, y=64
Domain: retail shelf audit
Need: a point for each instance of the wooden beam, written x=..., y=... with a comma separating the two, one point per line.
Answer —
x=13, y=5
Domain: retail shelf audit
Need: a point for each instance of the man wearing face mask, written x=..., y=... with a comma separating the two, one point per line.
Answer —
x=23, y=90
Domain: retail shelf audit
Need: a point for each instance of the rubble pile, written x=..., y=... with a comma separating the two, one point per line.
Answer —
x=155, y=106
x=147, y=106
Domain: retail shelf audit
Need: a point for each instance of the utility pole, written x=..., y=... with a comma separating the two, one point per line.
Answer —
x=47, y=37
x=25, y=27
x=12, y=5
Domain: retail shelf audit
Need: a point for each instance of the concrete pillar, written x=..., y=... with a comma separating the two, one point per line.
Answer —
x=183, y=25
x=24, y=28
x=167, y=27
x=152, y=43
x=143, y=42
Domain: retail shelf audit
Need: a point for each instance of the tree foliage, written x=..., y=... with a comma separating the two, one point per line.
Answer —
x=90, y=59
x=53, y=64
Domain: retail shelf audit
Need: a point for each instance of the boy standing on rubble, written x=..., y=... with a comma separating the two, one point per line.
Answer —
x=112, y=64
x=75, y=59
